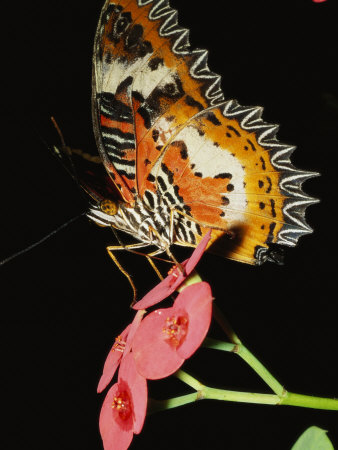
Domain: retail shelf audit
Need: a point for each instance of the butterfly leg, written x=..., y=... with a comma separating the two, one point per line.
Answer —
x=130, y=247
x=149, y=257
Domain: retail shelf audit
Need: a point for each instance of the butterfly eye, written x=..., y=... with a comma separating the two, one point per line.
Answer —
x=109, y=207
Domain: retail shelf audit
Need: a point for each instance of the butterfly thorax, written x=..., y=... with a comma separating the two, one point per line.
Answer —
x=146, y=225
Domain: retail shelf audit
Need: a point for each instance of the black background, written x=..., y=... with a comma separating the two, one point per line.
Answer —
x=64, y=302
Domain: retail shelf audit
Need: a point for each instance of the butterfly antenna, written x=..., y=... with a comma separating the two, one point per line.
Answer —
x=57, y=128
x=40, y=241
x=66, y=150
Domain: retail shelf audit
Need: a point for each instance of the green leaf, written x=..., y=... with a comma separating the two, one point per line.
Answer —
x=313, y=438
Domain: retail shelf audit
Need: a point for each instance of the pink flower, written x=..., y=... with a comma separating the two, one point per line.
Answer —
x=124, y=408
x=119, y=350
x=318, y=1
x=166, y=337
x=175, y=278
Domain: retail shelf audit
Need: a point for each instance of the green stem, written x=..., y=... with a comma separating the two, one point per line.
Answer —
x=189, y=380
x=219, y=345
x=206, y=392
x=222, y=394
x=309, y=401
x=258, y=367
x=243, y=397
x=224, y=324
x=250, y=359
x=209, y=393
x=160, y=405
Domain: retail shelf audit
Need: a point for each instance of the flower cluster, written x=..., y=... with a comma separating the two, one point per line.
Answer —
x=153, y=346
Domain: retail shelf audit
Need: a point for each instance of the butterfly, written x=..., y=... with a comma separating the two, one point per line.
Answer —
x=175, y=157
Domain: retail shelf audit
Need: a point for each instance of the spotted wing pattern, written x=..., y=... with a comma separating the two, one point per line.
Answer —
x=167, y=136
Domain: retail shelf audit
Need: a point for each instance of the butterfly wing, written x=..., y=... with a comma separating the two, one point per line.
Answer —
x=235, y=177
x=179, y=145
x=133, y=88
x=88, y=172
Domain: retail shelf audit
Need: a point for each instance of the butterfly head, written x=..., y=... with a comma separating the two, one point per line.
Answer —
x=109, y=207
x=104, y=212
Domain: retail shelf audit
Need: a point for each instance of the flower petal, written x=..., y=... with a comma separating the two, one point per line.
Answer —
x=114, y=357
x=138, y=389
x=196, y=300
x=112, y=362
x=114, y=436
x=154, y=357
x=161, y=291
x=169, y=284
x=134, y=326
x=197, y=253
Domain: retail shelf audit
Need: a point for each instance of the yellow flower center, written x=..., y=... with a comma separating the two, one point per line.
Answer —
x=175, y=329
x=122, y=405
